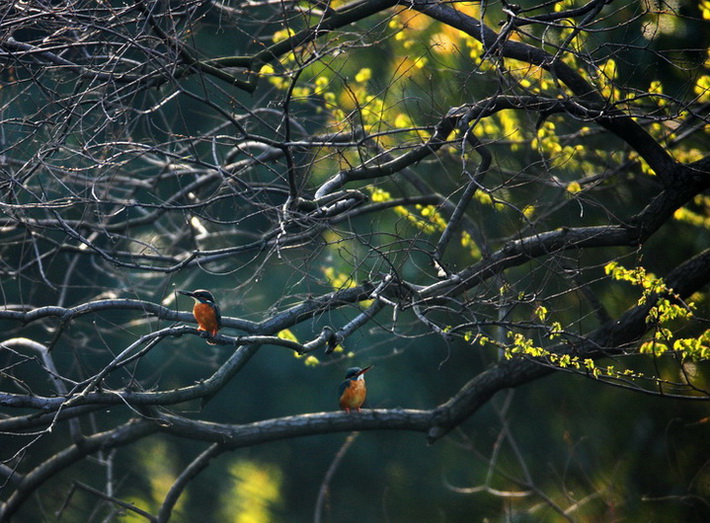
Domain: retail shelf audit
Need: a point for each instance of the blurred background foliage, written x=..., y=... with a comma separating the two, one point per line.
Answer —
x=608, y=453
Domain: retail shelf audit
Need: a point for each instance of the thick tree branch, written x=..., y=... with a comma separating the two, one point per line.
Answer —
x=608, y=339
x=118, y=436
x=612, y=119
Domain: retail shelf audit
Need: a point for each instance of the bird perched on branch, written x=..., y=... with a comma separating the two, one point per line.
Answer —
x=206, y=312
x=353, y=390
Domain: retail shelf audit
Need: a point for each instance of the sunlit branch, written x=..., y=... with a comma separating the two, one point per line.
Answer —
x=607, y=340
x=623, y=126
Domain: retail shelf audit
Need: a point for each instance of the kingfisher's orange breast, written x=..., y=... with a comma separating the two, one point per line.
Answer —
x=206, y=318
x=354, y=395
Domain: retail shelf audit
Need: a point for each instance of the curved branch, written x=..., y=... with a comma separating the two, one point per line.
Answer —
x=121, y=435
x=692, y=180
x=236, y=436
x=604, y=341
x=471, y=188
x=93, y=307
x=614, y=120
x=197, y=465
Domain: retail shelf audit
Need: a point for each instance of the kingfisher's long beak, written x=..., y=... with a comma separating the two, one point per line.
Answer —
x=186, y=293
x=363, y=371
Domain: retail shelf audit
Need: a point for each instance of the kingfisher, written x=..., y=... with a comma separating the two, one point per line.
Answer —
x=206, y=312
x=353, y=391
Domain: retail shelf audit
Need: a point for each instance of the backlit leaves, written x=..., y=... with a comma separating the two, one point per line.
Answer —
x=667, y=316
